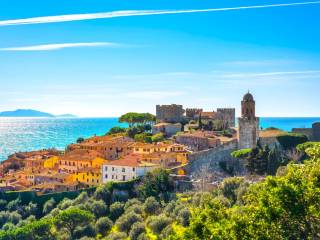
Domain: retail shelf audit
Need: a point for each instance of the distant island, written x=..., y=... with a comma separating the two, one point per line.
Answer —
x=32, y=113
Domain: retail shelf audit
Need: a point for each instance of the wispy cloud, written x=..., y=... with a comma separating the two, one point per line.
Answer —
x=263, y=74
x=58, y=46
x=131, y=13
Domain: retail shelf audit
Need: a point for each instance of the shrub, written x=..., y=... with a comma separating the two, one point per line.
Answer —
x=116, y=210
x=158, y=223
x=184, y=217
x=48, y=206
x=125, y=222
x=98, y=208
x=151, y=206
x=131, y=202
x=116, y=130
x=291, y=140
x=102, y=193
x=159, y=137
x=117, y=236
x=103, y=225
x=136, y=230
x=84, y=231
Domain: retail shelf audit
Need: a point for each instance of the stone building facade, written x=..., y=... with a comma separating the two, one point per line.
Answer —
x=312, y=133
x=170, y=113
x=248, y=123
x=227, y=115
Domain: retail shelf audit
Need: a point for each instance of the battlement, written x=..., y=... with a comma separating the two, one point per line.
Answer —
x=193, y=112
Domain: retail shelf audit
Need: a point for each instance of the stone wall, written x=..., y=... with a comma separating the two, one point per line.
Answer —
x=227, y=115
x=210, y=159
x=193, y=113
x=304, y=131
x=316, y=131
x=169, y=113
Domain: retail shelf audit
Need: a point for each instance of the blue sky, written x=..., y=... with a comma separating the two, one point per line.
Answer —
x=107, y=66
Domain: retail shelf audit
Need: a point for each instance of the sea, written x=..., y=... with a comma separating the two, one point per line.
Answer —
x=27, y=134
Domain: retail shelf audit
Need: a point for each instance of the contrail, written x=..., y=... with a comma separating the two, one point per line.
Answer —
x=58, y=46
x=131, y=13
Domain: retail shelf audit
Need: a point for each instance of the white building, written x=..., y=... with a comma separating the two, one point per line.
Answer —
x=125, y=169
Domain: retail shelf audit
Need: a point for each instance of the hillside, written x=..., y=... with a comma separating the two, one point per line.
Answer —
x=31, y=113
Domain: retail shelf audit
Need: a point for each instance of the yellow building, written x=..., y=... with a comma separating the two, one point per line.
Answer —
x=89, y=176
x=145, y=148
x=51, y=163
x=74, y=161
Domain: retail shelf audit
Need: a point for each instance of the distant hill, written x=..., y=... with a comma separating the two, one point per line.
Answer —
x=30, y=113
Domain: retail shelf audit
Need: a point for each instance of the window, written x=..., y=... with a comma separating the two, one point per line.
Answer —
x=133, y=169
x=123, y=177
x=106, y=168
x=106, y=176
x=123, y=169
x=112, y=176
x=112, y=169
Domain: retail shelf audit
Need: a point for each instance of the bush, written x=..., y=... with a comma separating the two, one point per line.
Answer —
x=184, y=217
x=151, y=206
x=158, y=223
x=131, y=202
x=159, y=137
x=48, y=206
x=117, y=236
x=102, y=193
x=125, y=222
x=291, y=140
x=136, y=230
x=230, y=186
x=84, y=231
x=116, y=130
x=116, y=210
x=103, y=225
x=98, y=208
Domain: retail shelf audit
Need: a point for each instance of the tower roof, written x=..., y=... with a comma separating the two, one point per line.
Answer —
x=248, y=97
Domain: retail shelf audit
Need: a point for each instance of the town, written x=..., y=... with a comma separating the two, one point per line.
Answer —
x=192, y=144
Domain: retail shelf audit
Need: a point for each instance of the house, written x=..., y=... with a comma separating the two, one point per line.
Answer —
x=168, y=129
x=198, y=140
x=126, y=168
x=110, y=147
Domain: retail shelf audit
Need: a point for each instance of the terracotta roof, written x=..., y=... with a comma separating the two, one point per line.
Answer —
x=133, y=160
x=81, y=154
x=208, y=114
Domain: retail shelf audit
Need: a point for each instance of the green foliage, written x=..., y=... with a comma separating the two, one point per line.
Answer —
x=291, y=140
x=158, y=223
x=71, y=218
x=133, y=118
x=151, y=206
x=159, y=137
x=48, y=206
x=137, y=229
x=230, y=187
x=156, y=184
x=117, y=236
x=125, y=222
x=103, y=225
x=143, y=137
x=116, y=129
x=80, y=140
x=116, y=210
x=242, y=153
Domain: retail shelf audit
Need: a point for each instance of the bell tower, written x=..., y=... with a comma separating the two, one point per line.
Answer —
x=248, y=123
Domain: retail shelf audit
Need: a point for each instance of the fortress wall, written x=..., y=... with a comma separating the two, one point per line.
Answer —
x=210, y=158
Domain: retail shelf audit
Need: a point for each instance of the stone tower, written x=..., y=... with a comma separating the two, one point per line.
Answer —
x=248, y=123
